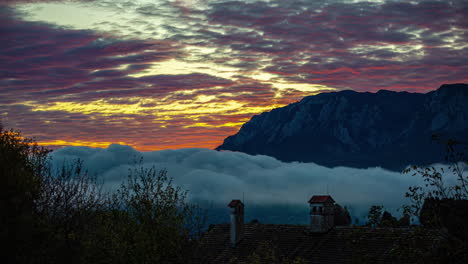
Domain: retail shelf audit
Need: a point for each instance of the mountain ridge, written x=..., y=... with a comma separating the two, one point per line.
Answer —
x=358, y=129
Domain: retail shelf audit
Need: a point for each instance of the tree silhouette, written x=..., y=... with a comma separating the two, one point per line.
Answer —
x=440, y=205
x=62, y=215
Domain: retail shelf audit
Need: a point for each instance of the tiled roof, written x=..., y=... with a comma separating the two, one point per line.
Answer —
x=234, y=203
x=321, y=199
x=340, y=245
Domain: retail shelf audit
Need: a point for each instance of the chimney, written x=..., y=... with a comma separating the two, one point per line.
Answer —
x=321, y=213
x=237, y=221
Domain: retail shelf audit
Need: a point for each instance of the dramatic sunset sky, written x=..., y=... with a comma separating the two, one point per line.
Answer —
x=160, y=74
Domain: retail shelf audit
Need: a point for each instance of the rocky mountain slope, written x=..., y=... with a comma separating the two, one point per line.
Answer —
x=347, y=128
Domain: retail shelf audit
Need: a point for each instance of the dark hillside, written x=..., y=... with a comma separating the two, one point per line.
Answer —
x=347, y=128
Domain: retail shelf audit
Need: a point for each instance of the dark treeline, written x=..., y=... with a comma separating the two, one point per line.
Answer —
x=63, y=215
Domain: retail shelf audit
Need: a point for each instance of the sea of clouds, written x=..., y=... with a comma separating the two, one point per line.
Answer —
x=273, y=191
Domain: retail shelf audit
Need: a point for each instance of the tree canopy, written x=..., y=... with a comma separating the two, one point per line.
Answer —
x=62, y=215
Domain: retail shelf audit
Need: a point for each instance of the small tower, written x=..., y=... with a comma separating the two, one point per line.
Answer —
x=237, y=221
x=321, y=213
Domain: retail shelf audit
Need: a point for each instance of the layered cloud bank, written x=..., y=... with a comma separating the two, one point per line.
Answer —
x=193, y=71
x=273, y=187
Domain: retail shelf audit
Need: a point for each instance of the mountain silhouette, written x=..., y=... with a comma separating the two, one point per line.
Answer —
x=347, y=128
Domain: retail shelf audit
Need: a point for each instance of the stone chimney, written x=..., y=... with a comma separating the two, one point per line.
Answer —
x=321, y=213
x=237, y=221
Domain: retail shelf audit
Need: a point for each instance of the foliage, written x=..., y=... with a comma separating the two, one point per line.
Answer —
x=67, y=211
x=46, y=214
x=441, y=206
x=148, y=221
x=435, y=186
x=375, y=215
x=21, y=168
x=405, y=220
x=63, y=216
x=378, y=217
x=388, y=220
x=341, y=216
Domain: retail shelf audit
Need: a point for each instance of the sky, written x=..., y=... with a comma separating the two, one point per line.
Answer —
x=170, y=74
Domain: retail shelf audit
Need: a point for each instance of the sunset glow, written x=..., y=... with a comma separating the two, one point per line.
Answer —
x=175, y=74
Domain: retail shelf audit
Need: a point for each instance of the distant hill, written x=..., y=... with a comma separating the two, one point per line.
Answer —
x=387, y=129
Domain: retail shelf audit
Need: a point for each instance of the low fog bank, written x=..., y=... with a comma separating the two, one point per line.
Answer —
x=273, y=191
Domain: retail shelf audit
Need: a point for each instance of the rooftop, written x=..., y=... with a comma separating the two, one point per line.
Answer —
x=321, y=199
x=340, y=245
x=234, y=203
